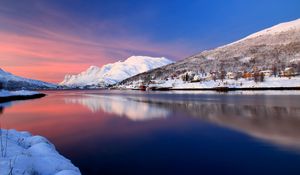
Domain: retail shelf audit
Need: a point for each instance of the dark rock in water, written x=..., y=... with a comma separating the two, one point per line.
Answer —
x=21, y=97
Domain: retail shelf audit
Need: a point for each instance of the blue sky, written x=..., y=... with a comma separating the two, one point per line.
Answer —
x=79, y=33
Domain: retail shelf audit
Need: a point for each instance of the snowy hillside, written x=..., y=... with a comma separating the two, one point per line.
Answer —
x=276, y=50
x=12, y=82
x=115, y=72
x=277, y=29
x=286, y=27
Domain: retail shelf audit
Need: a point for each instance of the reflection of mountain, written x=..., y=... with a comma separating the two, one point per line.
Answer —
x=120, y=106
x=277, y=124
x=275, y=119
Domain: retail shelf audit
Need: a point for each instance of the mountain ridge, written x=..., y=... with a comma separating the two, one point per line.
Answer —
x=260, y=50
x=114, y=72
x=12, y=82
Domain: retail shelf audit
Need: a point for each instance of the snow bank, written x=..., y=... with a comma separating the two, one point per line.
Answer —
x=269, y=82
x=23, y=154
x=5, y=93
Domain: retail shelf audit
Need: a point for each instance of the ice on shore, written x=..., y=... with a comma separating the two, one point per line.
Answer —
x=24, y=154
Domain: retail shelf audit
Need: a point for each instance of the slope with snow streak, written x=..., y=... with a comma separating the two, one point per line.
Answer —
x=292, y=26
x=13, y=82
x=115, y=72
x=277, y=29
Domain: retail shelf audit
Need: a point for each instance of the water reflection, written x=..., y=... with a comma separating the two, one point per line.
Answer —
x=278, y=124
x=120, y=106
x=120, y=132
x=273, y=120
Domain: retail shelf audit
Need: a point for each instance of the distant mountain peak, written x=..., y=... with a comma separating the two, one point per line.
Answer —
x=114, y=72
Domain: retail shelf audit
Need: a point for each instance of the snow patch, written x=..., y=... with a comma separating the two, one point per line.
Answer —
x=245, y=60
x=26, y=154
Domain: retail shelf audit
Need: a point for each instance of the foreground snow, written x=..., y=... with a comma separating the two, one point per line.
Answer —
x=269, y=82
x=23, y=154
x=115, y=72
x=5, y=93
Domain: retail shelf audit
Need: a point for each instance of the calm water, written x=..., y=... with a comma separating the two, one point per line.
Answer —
x=169, y=133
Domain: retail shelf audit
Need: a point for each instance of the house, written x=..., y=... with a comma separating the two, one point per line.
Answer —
x=231, y=75
x=157, y=81
x=196, y=78
x=208, y=76
x=289, y=71
x=267, y=73
x=247, y=75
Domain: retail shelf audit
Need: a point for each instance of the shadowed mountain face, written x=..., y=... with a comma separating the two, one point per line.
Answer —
x=275, y=119
x=277, y=46
x=13, y=82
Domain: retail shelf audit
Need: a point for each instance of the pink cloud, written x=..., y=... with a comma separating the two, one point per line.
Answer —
x=48, y=54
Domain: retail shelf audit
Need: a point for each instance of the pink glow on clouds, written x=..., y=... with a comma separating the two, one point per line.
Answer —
x=48, y=55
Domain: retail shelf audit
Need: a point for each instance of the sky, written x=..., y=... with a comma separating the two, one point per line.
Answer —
x=46, y=39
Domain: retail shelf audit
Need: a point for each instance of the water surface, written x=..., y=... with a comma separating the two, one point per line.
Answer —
x=132, y=132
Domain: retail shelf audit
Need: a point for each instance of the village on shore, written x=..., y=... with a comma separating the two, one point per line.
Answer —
x=275, y=78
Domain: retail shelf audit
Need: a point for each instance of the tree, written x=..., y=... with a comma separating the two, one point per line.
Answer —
x=147, y=79
x=222, y=72
x=262, y=77
x=274, y=70
x=214, y=77
x=222, y=75
x=256, y=77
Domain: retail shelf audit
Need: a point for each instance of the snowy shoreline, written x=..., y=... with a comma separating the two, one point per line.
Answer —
x=6, y=96
x=22, y=153
x=270, y=83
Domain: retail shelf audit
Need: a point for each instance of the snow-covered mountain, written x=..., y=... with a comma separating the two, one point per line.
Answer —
x=113, y=73
x=278, y=46
x=13, y=82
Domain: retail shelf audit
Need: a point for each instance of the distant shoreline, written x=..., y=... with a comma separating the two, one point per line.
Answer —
x=187, y=89
x=236, y=89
